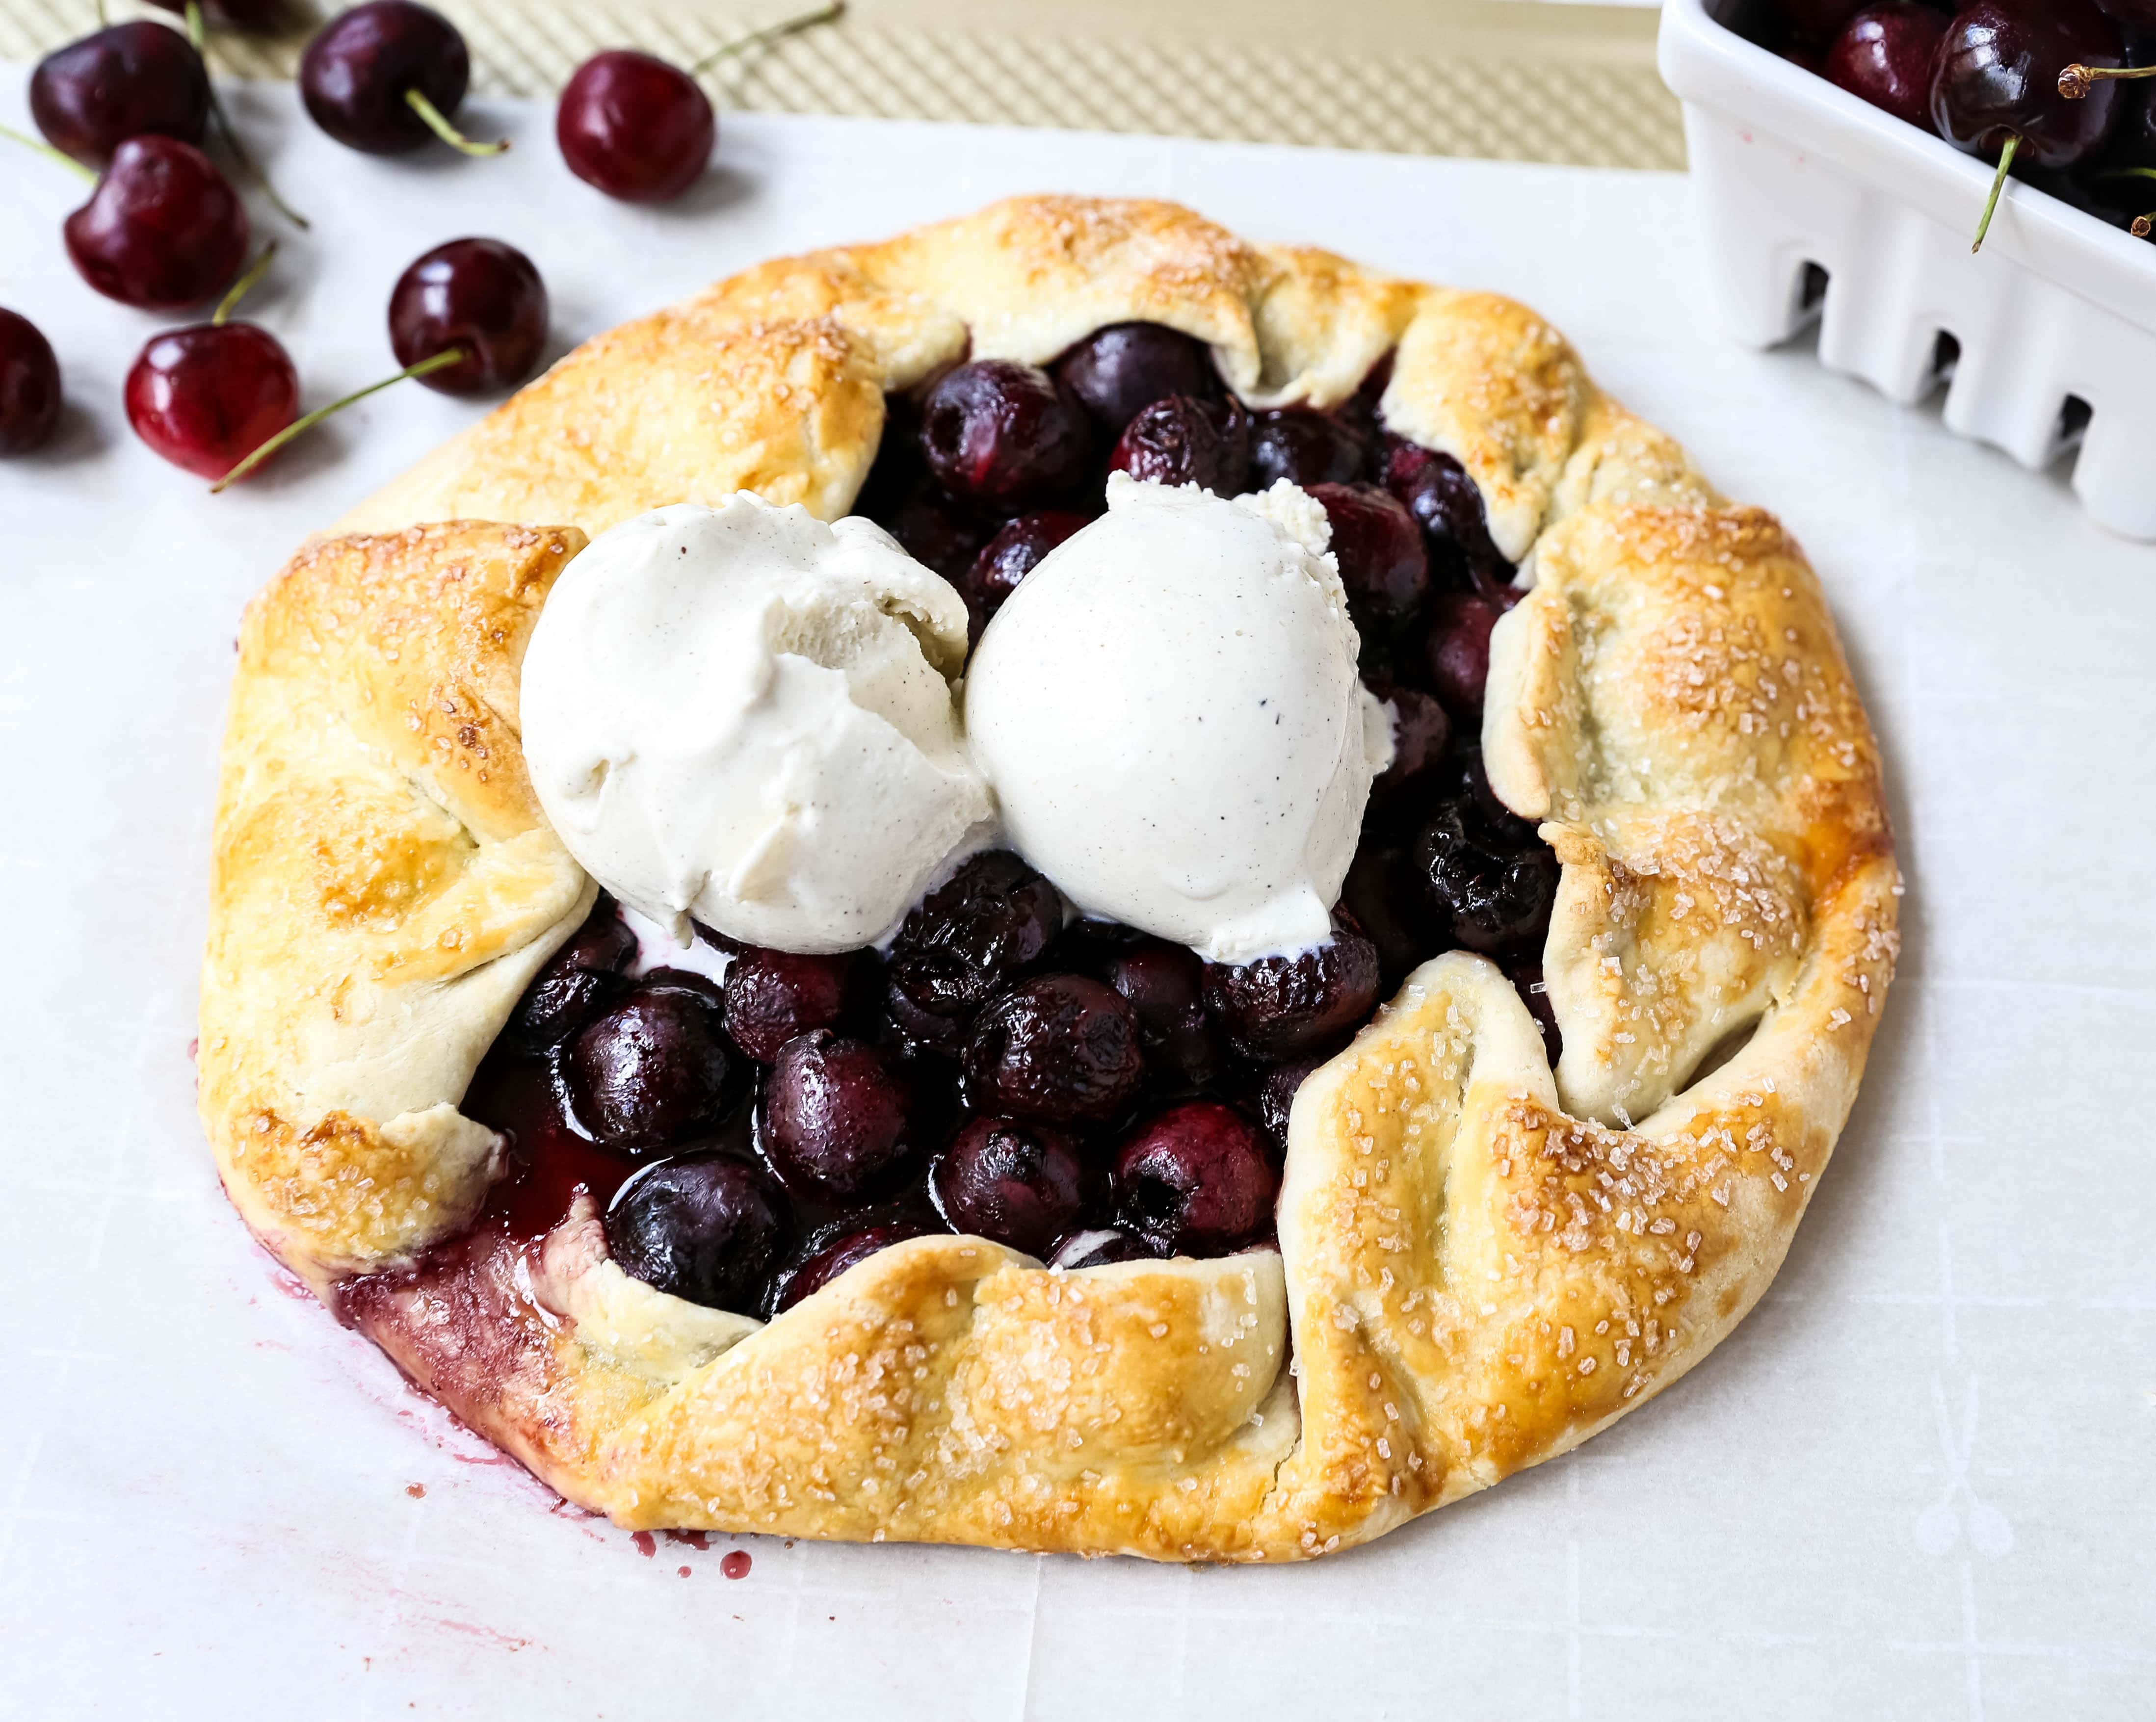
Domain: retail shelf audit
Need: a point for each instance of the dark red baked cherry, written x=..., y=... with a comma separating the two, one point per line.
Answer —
x=1885, y=55
x=1284, y=1007
x=206, y=395
x=579, y=979
x=653, y=1071
x=1458, y=651
x=835, y=1118
x=30, y=386
x=162, y=231
x=1817, y=20
x=1275, y=1099
x=1007, y=558
x=1421, y=732
x=937, y=532
x=971, y=936
x=1116, y=371
x=479, y=296
x=846, y=1250
x=1186, y=440
x=1002, y=435
x=387, y=77
x=1099, y=1246
x=1016, y=1183
x=1496, y=897
x=1060, y=1047
x=705, y=1227
x=1995, y=84
x=1527, y=979
x=1379, y=548
x=91, y=97
x=1448, y=506
x=773, y=995
x=1387, y=897
x=1194, y=1180
x=1165, y=986
x=1305, y=447
x=636, y=127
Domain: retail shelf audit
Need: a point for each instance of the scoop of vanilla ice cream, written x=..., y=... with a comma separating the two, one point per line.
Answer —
x=1169, y=710
x=745, y=716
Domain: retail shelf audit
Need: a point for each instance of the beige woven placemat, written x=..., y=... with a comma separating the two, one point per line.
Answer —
x=1506, y=78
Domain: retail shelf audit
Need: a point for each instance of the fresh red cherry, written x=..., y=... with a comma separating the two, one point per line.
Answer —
x=91, y=97
x=163, y=230
x=1996, y=88
x=636, y=126
x=1816, y=20
x=205, y=395
x=30, y=386
x=640, y=128
x=385, y=77
x=234, y=14
x=1885, y=55
x=481, y=297
x=473, y=310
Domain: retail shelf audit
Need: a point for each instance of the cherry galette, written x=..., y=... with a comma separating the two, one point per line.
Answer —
x=1024, y=1225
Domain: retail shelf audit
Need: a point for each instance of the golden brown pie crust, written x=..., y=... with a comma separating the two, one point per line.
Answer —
x=1481, y=1263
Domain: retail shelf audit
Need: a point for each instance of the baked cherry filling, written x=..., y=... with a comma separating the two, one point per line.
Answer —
x=1077, y=1090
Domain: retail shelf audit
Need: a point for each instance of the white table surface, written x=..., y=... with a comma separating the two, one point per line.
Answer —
x=1915, y=1484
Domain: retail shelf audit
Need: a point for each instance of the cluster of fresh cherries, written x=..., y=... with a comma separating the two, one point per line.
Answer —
x=132, y=108
x=1073, y=1089
x=2047, y=88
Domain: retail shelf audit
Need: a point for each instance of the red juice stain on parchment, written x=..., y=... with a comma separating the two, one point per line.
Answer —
x=647, y=1544
x=700, y=1540
x=736, y=1564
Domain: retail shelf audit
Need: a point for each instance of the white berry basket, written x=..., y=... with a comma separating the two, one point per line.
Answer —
x=1814, y=202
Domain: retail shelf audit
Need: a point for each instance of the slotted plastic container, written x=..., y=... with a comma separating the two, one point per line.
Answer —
x=1815, y=203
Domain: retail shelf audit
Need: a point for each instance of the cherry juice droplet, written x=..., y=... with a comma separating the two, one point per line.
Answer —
x=735, y=1564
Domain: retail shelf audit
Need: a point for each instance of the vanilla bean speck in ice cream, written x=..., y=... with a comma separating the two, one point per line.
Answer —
x=1169, y=708
x=743, y=716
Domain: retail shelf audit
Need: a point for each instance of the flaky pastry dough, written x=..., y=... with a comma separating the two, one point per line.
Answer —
x=1481, y=1263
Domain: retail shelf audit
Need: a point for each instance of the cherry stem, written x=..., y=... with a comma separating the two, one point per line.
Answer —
x=770, y=32
x=45, y=149
x=238, y=289
x=448, y=133
x=1998, y=185
x=2076, y=82
x=299, y=427
x=248, y=165
x=198, y=28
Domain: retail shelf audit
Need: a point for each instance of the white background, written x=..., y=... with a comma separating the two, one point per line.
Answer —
x=1915, y=1484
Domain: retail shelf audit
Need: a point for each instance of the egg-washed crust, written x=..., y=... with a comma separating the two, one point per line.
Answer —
x=1481, y=1263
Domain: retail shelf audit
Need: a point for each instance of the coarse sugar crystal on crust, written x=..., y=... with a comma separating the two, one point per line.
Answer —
x=1481, y=1261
